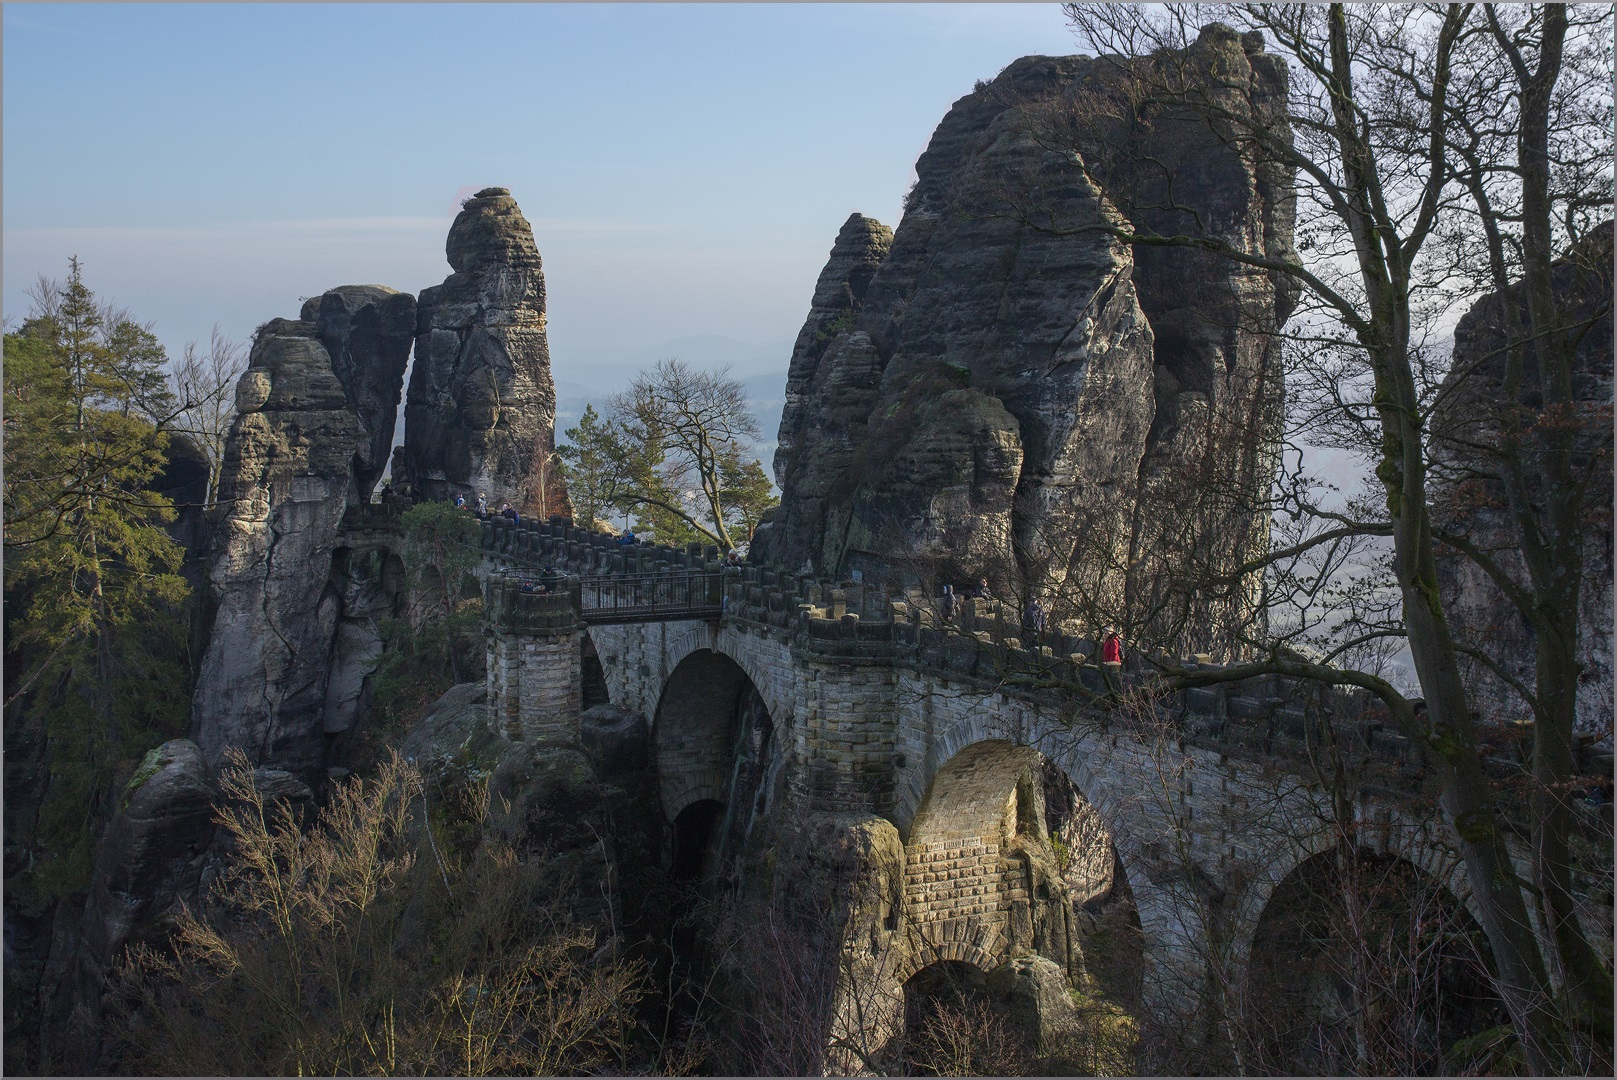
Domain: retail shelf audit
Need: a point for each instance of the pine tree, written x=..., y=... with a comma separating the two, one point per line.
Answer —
x=94, y=637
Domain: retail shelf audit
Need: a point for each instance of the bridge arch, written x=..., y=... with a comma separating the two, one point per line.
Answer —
x=1117, y=779
x=1387, y=832
x=1361, y=960
x=983, y=877
x=638, y=661
x=710, y=721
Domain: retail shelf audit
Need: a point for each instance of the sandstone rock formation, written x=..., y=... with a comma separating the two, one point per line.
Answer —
x=615, y=738
x=1012, y=392
x=811, y=398
x=149, y=862
x=1466, y=419
x=316, y=409
x=481, y=410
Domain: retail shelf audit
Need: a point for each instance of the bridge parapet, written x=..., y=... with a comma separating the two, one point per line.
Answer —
x=377, y=517
x=511, y=608
x=847, y=627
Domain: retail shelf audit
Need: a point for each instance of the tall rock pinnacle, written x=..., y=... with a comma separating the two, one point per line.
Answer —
x=293, y=636
x=1001, y=389
x=480, y=415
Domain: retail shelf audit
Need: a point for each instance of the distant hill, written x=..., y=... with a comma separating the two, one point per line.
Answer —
x=611, y=367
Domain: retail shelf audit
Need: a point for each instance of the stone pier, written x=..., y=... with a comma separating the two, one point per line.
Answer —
x=535, y=656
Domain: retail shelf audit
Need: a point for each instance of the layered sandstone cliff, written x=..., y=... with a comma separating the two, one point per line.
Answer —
x=1466, y=427
x=481, y=410
x=1006, y=389
x=316, y=410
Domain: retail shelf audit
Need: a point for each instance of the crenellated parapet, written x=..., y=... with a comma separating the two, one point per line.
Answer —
x=856, y=638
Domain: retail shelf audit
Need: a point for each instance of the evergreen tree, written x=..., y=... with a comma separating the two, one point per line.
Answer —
x=670, y=452
x=95, y=639
x=746, y=493
x=604, y=467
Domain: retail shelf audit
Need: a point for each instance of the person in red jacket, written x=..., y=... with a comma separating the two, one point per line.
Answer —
x=1111, y=652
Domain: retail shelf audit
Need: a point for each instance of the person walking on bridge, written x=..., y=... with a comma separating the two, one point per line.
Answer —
x=1034, y=623
x=482, y=505
x=1111, y=651
x=946, y=605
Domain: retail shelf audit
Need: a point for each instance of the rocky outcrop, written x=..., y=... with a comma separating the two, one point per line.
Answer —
x=1013, y=392
x=366, y=330
x=1032, y=990
x=812, y=397
x=615, y=738
x=481, y=410
x=148, y=865
x=1466, y=430
x=316, y=408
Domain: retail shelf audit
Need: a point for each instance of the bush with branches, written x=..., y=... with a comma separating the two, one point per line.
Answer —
x=361, y=946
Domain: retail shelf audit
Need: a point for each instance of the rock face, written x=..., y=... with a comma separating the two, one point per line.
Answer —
x=316, y=409
x=148, y=864
x=1001, y=389
x=615, y=738
x=481, y=410
x=1467, y=418
x=811, y=395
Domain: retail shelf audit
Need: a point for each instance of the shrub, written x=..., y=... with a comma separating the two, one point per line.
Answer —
x=966, y=1036
x=360, y=947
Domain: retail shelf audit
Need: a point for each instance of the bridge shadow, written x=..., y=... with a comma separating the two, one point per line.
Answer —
x=1362, y=963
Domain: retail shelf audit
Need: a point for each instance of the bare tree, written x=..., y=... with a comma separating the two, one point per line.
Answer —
x=701, y=426
x=205, y=383
x=1373, y=100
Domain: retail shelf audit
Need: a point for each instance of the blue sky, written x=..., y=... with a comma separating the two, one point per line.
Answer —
x=685, y=167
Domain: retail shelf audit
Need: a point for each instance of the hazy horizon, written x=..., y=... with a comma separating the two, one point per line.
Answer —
x=685, y=167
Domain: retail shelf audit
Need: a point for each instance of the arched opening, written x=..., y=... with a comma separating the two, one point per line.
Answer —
x=1010, y=870
x=694, y=833
x=1105, y=917
x=711, y=739
x=1006, y=852
x=593, y=677
x=953, y=1027
x=1364, y=964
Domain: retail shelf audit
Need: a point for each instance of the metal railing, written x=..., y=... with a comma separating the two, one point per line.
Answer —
x=631, y=598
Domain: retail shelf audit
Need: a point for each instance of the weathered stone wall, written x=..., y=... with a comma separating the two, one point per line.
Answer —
x=535, y=657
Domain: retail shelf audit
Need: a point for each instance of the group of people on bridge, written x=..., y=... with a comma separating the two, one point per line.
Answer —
x=1035, y=621
x=506, y=510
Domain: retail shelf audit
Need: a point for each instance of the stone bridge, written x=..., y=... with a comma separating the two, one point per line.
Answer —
x=1207, y=796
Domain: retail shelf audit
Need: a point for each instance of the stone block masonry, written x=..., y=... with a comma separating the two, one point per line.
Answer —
x=535, y=661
